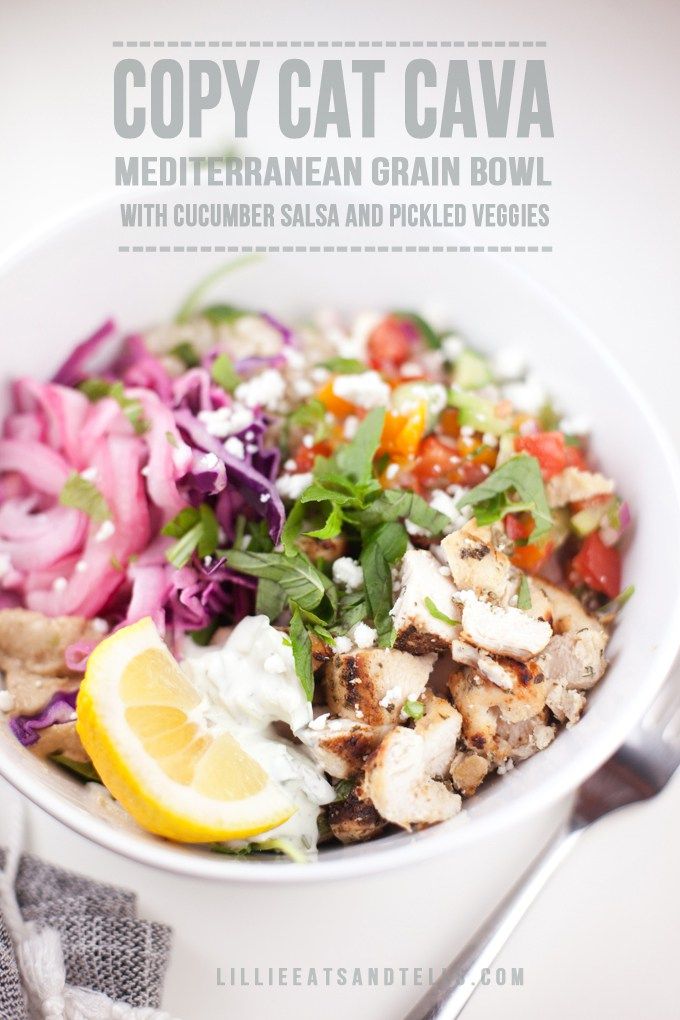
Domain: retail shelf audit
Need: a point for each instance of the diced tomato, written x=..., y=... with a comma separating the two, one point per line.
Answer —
x=551, y=452
x=599, y=566
x=449, y=424
x=518, y=527
x=390, y=344
x=439, y=463
x=306, y=455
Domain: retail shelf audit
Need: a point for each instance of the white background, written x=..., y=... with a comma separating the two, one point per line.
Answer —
x=602, y=941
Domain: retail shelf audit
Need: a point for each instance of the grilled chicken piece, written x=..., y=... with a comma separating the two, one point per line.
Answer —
x=468, y=772
x=500, y=670
x=399, y=783
x=38, y=643
x=354, y=819
x=566, y=705
x=440, y=728
x=341, y=746
x=372, y=684
x=503, y=631
x=61, y=738
x=31, y=692
x=327, y=549
x=476, y=565
x=575, y=655
x=573, y=485
x=501, y=724
x=418, y=631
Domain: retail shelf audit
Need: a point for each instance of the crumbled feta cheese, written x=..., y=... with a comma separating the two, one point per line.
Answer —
x=410, y=369
x=579, y=425
x=294, y=358
x=351, y=424
x=433, y=394
x=302, y=388
x=342, y=644
x=489, y=439
x=5, y=564
x=59, y=584
x=290, y=465
x=251, y=447
x=100, y=625
x=89, y=474
x=363, y=635
x=235, y=447
x=274, y=664
x=319, y=375
x=145, y=471
x=308, y=441
x=466, y=431
x=226, y=421
x=207, y=462
x=414, y=529
x=6, y=701
x=348, y=573
x=529, y=395
x=366, y=389
x=358, y=713
x=265, y=497
x=292, y=486
x=81, y=566
x=392, y=471
x=390, y=697
x=508, y=364
x=452, y=347
x=320, y=722
x=263, y=390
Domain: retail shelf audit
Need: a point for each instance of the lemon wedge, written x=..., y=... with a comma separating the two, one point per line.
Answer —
x=140, y=720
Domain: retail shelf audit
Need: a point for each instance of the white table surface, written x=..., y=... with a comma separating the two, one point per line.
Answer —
x=602, y=940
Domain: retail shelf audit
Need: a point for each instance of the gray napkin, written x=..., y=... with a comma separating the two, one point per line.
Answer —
x=106, y=947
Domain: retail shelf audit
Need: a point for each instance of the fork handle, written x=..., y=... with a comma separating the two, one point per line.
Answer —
x=449, y=995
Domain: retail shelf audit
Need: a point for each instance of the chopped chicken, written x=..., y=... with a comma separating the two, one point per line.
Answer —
x=372, y=684
x=61, y=738
x=418, y=631
x=31, y=692
x=354, y=819
x=501, y=724
x=440, y=728
x=541, y=607
x=575, y=656
x=341, y=746
x=566, y=705
x=38, y=643
x=326, y=549
x=573, y=485
x=398, y=783
x=468, y=772
x=503, y=631
x=476, y=565
x=502, y=671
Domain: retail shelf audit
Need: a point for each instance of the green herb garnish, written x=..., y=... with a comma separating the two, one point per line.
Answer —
x=522, y=475
x=196, y=530
x=83, y=495
x=186, y=352
x=437, y=613
x=224, y=373
x=413, y=709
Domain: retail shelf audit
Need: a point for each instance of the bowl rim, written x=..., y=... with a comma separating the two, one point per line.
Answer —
x=434, y=841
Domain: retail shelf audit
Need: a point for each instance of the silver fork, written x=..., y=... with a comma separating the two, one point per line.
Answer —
x=638, y=771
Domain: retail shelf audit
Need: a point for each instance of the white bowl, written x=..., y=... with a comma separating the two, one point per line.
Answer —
x=62, y=286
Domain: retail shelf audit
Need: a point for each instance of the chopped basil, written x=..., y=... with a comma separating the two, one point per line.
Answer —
x=343, y=788
x=413, y=709
x=344, y=366
x=97, y=389
x=186, y=352
x=522, y=475
x=524, y=594
x=196, y=530
x=204, y=636
x=83, y=495
x=302, y=653
x=270, y=599
x=299, y=578
x=437, y=613
x=332, y=527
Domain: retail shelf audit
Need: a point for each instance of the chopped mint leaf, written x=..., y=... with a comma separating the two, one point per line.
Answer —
x=522, y=475
x=437, y=613
x=378, y=582
x=224, y=373
x=83, y=769
x=172, y=440
x=413, y=709
x=355, y=459
x=524, y=594
x=332, y=527
x=270, y=599
x=610, y=609
x=97, y=389
x=398, y=504
x=312, y=417
x=265, y=846
x=204, y=636
x=343, y=788
x=83, y=495
x=215, y=313
x=344, y=366
x=223, y=314
x=301, y=581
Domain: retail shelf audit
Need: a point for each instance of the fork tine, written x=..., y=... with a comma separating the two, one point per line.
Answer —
x=664, y=708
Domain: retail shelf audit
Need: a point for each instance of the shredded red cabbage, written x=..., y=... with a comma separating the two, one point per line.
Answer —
x=61, y=709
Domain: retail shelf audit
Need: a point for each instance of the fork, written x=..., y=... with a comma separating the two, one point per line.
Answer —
x=640, y=769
